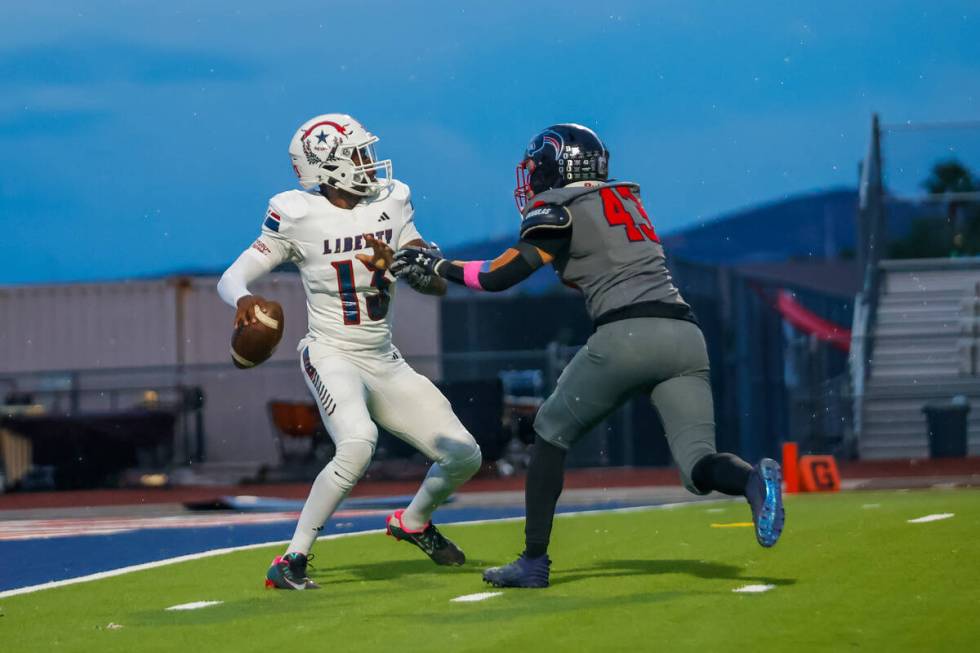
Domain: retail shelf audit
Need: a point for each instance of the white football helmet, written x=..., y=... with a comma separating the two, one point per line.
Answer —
x=336, y=150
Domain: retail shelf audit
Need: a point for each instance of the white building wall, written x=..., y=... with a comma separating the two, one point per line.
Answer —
x=93, y=328
x=61, y=327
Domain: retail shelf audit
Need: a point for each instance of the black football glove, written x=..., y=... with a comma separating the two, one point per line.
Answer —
x=417, y=265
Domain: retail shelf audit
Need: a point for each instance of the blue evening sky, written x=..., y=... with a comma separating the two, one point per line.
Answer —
x=142, y=138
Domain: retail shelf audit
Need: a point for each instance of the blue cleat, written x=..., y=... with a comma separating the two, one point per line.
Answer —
x=523, y=572
x=765, y=495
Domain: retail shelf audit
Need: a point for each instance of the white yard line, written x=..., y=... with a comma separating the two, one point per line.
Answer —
x=753, y=589
x=472, y=598
x=196, y=605
x=929, y=518
x=217, y=552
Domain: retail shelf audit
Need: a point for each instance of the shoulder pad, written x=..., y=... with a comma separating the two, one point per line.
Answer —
x=568, y=195
x=396, y=191
x=292, y=205
x=400, y=191
x=545, y=217
x=632, y=185
x=285, y=208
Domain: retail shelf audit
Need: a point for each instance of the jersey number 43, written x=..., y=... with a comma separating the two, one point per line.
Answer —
x=618, y=216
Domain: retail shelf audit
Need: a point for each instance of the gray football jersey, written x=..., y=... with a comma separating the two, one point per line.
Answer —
x=615, y=256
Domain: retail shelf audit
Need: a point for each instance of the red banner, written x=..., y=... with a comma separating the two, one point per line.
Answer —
x=809, y=322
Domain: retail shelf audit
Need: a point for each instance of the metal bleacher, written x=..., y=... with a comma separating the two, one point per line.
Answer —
x=924, y=347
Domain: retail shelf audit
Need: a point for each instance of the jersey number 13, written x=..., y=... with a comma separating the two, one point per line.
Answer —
x=376, y=303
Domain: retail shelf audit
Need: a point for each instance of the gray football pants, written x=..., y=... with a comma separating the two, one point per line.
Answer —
x=662, y=356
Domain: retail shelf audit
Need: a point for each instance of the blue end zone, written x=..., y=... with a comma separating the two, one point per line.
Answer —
x=32, y=562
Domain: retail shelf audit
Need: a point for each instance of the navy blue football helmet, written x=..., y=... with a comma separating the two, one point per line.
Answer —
x=558, y=156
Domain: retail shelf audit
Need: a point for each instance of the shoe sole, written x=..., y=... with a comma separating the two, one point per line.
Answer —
x=488, y=579
x=770, y=528
x=493, y=583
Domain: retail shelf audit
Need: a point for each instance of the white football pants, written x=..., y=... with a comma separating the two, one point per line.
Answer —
x=353, y=391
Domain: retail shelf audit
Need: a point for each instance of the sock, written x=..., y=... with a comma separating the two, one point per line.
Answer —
x=323, y=500
x=721, y=472
x=435, y=489
x=545, y=478
x=441, y=481
x=332, y=484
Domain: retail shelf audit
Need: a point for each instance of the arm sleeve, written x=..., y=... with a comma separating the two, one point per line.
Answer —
x=259, y=259
x=507, y=270
x=551, y=243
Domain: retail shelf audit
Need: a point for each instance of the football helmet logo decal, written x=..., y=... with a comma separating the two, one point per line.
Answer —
x=545, y=138
x=335, y=150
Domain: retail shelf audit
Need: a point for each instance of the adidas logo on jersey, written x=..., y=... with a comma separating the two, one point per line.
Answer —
x=384, y=217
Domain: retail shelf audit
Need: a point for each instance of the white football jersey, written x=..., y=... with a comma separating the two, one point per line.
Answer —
x=347, y=303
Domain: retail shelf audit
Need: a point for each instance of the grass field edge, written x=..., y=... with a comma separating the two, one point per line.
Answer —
x=30, y=589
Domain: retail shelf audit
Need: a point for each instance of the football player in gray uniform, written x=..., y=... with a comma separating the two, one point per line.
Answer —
x=599, y=238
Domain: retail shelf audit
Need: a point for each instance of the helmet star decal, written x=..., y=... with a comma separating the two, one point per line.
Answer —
x=321, y=137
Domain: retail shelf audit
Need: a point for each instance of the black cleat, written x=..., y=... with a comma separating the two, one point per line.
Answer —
x=288, y=572
x=433, y=543
x=523, y=572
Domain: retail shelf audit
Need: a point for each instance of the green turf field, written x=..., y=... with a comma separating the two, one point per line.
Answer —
x=850, y=572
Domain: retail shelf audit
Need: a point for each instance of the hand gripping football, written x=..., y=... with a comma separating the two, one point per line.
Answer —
x=254, y=343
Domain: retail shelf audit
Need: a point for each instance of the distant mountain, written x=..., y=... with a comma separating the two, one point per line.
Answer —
x=812, y=226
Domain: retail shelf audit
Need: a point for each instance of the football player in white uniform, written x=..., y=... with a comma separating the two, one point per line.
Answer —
x=340, y=231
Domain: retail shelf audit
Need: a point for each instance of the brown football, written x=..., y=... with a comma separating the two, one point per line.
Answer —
x=254, y=343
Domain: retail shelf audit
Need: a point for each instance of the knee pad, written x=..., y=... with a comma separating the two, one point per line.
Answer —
x=460, y=460
x=558, y=424
x=350, y=462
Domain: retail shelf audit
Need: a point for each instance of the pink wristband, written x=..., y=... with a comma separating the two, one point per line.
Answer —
x=471, y=274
